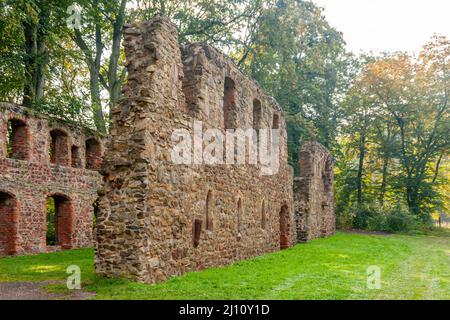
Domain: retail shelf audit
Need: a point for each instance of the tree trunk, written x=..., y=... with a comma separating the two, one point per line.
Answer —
x=362, y=153
x=384, y=180
x=94, y=84
x=36, y=57
x=29, y=90
x=42, y=56
x=114, y=80
x=414, y=201
x=94, y=64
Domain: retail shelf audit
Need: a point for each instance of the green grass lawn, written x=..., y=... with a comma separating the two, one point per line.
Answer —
x=412, y=267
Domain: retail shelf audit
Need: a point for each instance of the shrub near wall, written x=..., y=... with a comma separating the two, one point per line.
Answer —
x=374, y=217
x=397, y=219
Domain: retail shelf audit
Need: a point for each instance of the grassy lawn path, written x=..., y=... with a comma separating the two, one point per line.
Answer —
x=424, y=275
x=412, y=267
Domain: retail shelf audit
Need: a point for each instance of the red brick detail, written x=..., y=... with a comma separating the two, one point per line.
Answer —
x=19, y=140
x=93, y=154
x=284, y=228
x=8, y=224
x=31, y=180
x=64, y=221
x=59, y=152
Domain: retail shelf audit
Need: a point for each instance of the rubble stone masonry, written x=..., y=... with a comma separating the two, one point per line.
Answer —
x=41, y=158
x=159, y=219
x=313, y=193
x=156, y=218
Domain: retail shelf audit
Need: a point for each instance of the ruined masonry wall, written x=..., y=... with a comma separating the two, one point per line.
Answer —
x=26, y=182
x=149, y=207
x=313, y=193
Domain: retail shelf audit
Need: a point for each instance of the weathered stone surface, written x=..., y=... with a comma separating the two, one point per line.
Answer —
x=28, y=175
x=158, y=219
x=313, y=193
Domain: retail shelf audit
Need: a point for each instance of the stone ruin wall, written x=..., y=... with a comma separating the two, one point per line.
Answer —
x=313, y=193
x=28, y=175
x=158, y=219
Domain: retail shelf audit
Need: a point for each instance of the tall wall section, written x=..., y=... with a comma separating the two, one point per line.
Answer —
x=313, y=193
x=159, y=219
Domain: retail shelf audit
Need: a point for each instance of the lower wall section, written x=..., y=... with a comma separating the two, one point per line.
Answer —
x=193, y=223
x=24, y=190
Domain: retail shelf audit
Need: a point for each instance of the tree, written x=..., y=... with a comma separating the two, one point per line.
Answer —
x=359, y=119
x=11, y=55
x=101, y=34
x=219, y=22
x=304, y=65
x=414, y=95
x=39, y=22
x=102, y=21
x=38, y=62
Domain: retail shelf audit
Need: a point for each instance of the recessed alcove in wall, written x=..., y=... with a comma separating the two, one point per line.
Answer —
x=18, y=140
x=8, y=224
x=59, y=221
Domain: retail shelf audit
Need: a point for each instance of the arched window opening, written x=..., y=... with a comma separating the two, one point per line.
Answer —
x=18, y=140
x=263, y=215
x=257, y=117
x=8, y=224
x=93, y=154
x=240, y=224
x=284, y=227
x=59, y=222
x=229, y=104
x=257, y=114
x=76, y=157
x=276, y=121
x=208, y=212
x=327, y=176
x=96, y=209
x=196, y=231
x=59, y=148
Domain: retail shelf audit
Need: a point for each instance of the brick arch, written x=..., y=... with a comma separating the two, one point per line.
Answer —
x=64, y=221
x=93, y=154
x=59, y=147
x=18, y=139
x=284, y=227
x=9, y=217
